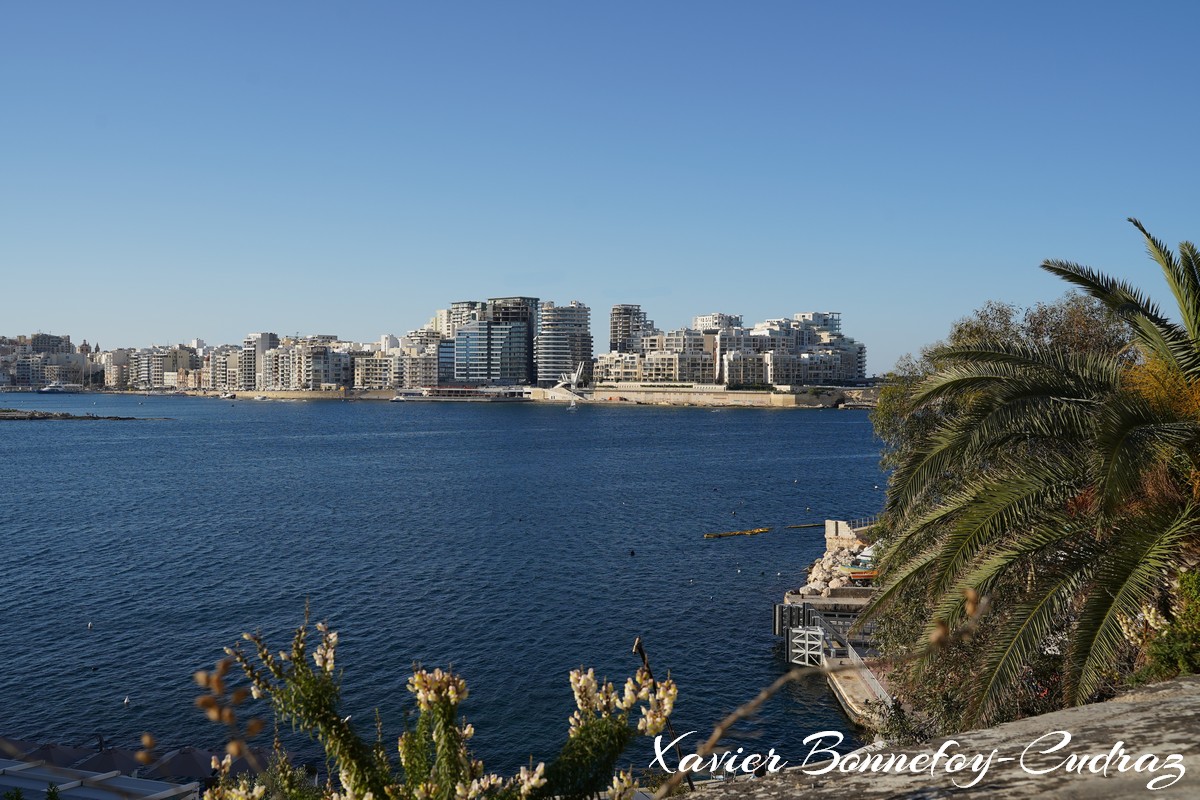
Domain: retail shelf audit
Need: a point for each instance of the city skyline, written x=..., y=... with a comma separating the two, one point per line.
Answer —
x=203, y=171
x=501, y=341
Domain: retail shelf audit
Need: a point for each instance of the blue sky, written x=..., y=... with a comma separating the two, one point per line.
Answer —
x=173, y=171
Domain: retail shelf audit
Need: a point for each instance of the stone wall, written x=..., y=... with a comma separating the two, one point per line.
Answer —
x=1160, y=725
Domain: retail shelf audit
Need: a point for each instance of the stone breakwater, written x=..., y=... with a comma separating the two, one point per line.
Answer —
x=22, y=414
x=824, y=575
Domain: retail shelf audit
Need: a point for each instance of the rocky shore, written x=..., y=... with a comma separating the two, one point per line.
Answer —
x=825, y=575
x=24, y=414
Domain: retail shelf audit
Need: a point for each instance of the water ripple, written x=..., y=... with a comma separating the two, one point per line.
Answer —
x=495, y=539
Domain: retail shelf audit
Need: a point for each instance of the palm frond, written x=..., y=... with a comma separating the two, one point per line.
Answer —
x=1133, y=569
x=1155, y=332
x=1014, y=643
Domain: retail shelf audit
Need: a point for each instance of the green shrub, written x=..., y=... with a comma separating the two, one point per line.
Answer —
x=304, y=691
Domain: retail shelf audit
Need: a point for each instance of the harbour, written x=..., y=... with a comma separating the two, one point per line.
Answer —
x=445, y=534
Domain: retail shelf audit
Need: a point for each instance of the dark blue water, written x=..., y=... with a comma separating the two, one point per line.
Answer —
x=494, y=539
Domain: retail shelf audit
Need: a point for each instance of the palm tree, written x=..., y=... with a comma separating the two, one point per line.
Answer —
x=1065, y=486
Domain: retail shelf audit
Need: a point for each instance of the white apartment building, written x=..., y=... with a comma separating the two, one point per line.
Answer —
x=744, y=369
x=673, y=367
x=612, y=367
x=711, y=323
x=254, y=347
x=378, y=371
x=278, y=369
x=563, y=341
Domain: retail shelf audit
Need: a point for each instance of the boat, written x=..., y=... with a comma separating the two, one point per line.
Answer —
x=398, y=399
x=228, y=396
x=58, y=387
x=572, y=406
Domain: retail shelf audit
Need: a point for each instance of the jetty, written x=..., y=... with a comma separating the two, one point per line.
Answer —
x=817, y=623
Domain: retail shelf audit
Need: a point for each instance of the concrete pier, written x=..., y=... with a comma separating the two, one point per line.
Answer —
x=816, y=623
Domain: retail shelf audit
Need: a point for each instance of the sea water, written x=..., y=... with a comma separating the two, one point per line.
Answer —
x=510, y=542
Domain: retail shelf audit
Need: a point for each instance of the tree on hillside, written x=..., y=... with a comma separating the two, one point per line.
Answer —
x=1043, y=463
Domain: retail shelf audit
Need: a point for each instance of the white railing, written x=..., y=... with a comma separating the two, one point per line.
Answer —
x=835, y=639
x=882, y=694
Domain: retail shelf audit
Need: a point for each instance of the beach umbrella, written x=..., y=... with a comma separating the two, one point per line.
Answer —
x=242, y=764
x=186, y=762
x=14, y=748
x=57, y=755
x=109, y=759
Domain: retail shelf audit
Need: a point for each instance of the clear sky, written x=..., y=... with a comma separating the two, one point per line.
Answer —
x=172, y=171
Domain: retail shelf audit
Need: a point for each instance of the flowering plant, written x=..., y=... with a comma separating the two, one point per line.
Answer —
x=434, y=761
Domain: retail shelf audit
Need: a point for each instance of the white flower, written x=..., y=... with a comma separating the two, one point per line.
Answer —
x=623, y=786
x=527, y=780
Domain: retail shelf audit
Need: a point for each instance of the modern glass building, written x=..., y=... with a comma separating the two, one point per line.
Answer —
x=492, y=353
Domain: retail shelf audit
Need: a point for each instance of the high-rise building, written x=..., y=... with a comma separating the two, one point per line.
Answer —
x=460, y=313
x=564, y=340
x=518, y=311
x=627, y=324
x=488, y=352
x=49, y=343
x=250, y=365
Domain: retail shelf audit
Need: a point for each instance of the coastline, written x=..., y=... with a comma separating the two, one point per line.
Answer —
x=679, y=396
x=817, y=621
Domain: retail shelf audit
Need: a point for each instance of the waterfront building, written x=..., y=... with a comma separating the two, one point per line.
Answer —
x=614, y=367
x=832, y=357
x=254, y=347
x=115, y=364
x=660, y=366
x=517, y=311
x=420, y=370
x=29, y=370
x=488, y=352
x=312, y=365
x=278, y=369
x=696, y=368
x=798, y=369
x=828, y=337
x=322, y=363
x=419, y=352
x=233, y=369
x=627, y=324
x=378, y=371
x=563, y=341
x=148, y=367
x=214, y=368
x=684, y=355
x=444, y=366
x=744, y=369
